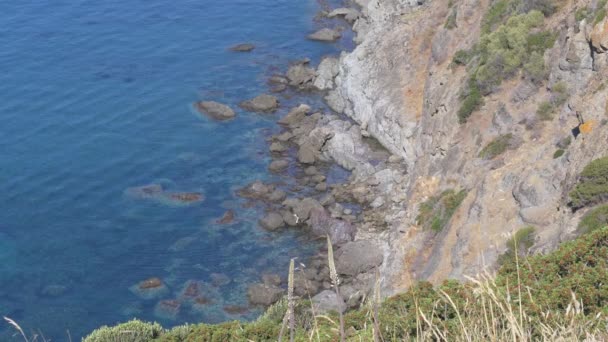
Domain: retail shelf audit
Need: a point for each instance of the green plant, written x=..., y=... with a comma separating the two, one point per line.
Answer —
x=436, y=212
x=582, y=13
x=545, y=111
x=451, y=20
x=592, y=186
x=462, y=57
x=558, y=153
x=560, y=93
x=472, y=101
x=595, y=219
x=132, y=331
x=496, y=147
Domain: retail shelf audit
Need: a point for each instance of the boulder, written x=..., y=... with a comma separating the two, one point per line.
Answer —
x=325, y=35
x=278, y=165
x=295, y=115
x=261, y=104
x=277, y=195
x=264, y=295
x=272, y=221
x=215, y=110
x=277, y=147
x=328, y=301
x=307, y=154
x=271, y=279
x=357, y=257
x=303, y=208
x=244, y=47
x=349, y=14
x=300, y=75
x=322, y=224
x=599, y=36
x=255, y=190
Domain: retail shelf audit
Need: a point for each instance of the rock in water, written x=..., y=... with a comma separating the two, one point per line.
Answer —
x=227, y=218
x=261, y=104
x=278, y=165
x=272, y=221
x=215, y=110
x=260, y=294
x=301, y=76
x=325, y=35
x=150, y=288
x=245, y=47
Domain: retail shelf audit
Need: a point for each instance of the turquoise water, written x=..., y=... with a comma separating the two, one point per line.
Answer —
x=95, y=99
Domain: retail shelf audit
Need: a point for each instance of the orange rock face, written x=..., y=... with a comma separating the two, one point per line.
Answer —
x=599, y=36
x=151, y=283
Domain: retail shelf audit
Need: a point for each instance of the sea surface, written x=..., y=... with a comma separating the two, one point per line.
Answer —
x=95, y=99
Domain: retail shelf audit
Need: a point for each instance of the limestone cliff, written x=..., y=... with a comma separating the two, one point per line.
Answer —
x=400, y=86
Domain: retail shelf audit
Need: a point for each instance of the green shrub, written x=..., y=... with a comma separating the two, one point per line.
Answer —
x=558, y=153
x=520, y=243
x=559, y=93
x=497, y=13
x=582, y=13
x=472, y=101
x=496, y=147
x=579, y=266
x=593, y=220
x=436, y=212
x=451, y=21
x=545, y=111
x=132, y=331
x=463, y=57
x=592, y=187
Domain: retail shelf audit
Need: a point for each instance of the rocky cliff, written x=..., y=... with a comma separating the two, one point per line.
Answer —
x=401, y=87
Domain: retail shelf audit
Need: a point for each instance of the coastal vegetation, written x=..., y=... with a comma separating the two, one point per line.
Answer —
x=558, y=296
x=496, y=147
x=592, y=186
x=512, y=41
x=436, y=212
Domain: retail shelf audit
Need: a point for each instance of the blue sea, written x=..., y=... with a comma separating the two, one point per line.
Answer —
x=96, y=98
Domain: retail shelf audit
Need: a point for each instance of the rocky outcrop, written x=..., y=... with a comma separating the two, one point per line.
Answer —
x=325, y=35
x=215, y=110
x=262, y=104
x=264, y=295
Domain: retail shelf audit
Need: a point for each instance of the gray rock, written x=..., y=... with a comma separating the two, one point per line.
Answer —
x=311, y=171
x=255, y=190
x=295, y=115
x=303, y=208
x=523, y=91
x=307, y=154
x=378, y=202
x=321, y=187
x=284, y=137
x=349, y=14
x=326, y=72
x=262, y=104
x=272, y=221
x=277, y=147
x=318, y=178
x=300, y=75
x=327, y=301
x=502, y=121
x=278, y=79
x=264, y=295
x=215, y=110
x=325, y=35
x=289, y=218
x=322, y=224
x=357, y=257
x=245, y=47
x=278, y=165
x=277, y=195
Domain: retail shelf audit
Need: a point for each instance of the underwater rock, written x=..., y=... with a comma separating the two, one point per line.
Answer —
x=243, y=47
x=53, y=290
x=215, y=110
x=278, y=165
x=219, y=279
x=255, y=190
x=145, y=191
x=167, y=309
x=271, y=279
x=186, y=197
x=150, y=288
x=192, y=289
x=200, y=304
x=227, y=218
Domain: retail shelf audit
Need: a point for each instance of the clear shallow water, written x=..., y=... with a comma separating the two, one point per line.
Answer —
x=96, y=98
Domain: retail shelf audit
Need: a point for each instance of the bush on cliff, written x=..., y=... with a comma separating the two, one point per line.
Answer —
x=436, y=212
x=595, y=219
x=592, y=187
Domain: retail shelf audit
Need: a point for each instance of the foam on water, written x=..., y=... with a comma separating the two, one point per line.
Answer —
x=96, y=99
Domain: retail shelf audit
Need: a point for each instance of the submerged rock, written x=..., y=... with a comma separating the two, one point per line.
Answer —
x=325, y=35
x=261, y=104
x=244, y=47
x=235, y=309
x=167, y=309
x=145, y=191
x=215, y=110
x=150, y=288
x=278, y=165
x=219, y=279
x=227, y=218
x=186, y=197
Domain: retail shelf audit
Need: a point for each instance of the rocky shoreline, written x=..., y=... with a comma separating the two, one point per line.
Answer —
x=355, y=213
